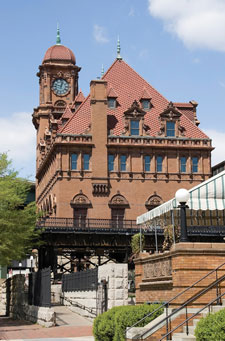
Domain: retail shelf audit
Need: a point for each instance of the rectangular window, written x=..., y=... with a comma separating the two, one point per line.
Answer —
x=145, y=104
x=170, y=128
x=147, y=159
x=194, y=164
x=159, y=160
x=73, y=161
x=134, y=127
x=183, y=161
x=123, y=161
x=111, y=103
x=86, y=160
x=111, y=159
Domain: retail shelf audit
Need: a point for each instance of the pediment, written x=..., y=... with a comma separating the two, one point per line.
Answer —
x=118, y=200
x=80, y=200
x=134, y=111
x=171, y=112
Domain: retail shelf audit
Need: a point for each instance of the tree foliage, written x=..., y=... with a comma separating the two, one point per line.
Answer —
x=17, y=220
x=136, y=243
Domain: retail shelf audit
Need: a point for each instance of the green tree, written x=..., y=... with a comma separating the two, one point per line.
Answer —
x=17, y=220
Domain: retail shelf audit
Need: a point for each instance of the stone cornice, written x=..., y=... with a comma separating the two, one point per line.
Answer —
x=160, y=142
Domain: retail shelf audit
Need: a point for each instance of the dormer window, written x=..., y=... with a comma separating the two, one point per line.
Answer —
x=170, y=122
x=145, y=103
x=111, y=103
x=170, y=128
x=134, y=127
x=134, y=120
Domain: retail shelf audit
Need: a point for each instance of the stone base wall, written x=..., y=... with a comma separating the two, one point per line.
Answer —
x=2, y=297
x=116, y=276
x=81, y=302
x=14, y=303
x=160, y=277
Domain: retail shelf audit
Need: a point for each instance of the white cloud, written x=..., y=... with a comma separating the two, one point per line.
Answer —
x=17, y=138
x=197, y=23
x=100, y=34
x=218, y=139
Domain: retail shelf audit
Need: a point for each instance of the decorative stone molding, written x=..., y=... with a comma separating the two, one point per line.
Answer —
x=100, y=188
x=153, y=201
x=134, y=112
x=171, y=113
x=118, y=200
x=80, y=200
x=157, y=269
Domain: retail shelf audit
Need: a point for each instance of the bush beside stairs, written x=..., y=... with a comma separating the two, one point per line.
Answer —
x=138, y=333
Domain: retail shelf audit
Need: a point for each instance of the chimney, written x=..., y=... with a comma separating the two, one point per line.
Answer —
x=98, y=99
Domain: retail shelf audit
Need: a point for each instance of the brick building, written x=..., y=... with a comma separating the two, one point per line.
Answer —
x=117, y=153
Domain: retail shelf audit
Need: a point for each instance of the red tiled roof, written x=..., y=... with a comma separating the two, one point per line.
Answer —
x=183, y=105
x=111, y=92
x=129, y=85
x=145, y=94
x=80, y=97
x=59, y=52
x=67, y=113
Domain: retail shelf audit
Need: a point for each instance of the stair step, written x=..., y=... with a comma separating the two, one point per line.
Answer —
x=195, y=321
x=223, y=301
x=190, y=329
x=183, y=337
x=217, y=308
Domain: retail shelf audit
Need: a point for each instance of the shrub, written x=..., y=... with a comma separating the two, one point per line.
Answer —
x=111, y=325
x=212, y=327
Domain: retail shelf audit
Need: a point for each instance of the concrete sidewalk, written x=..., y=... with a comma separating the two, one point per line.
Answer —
x=70, y=325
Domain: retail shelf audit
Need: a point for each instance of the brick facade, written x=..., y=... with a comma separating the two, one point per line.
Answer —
x=160, y=277
x=91, y=128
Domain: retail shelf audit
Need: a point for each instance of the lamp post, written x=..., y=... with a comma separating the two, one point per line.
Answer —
x=182, y=196
x=31, y=263
x=20, y=266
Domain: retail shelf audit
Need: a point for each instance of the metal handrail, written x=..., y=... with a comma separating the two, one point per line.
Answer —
x=184, y=305
x=192, y=316
x=166, y=304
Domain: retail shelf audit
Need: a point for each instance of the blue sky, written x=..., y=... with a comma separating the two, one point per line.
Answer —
x=178, y=46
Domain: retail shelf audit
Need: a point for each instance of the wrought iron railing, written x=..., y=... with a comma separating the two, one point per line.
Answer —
x=87, y=223
x=184, y=306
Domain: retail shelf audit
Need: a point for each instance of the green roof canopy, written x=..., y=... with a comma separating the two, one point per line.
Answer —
x=209, y=195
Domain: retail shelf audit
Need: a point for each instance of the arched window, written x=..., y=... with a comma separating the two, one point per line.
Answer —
x=153, y=201
x=118, y=204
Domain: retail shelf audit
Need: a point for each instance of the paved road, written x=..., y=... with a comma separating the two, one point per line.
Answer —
x=71, y=326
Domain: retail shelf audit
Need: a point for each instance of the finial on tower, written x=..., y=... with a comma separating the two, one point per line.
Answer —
x=118, y=49
x=102, y=71
x=58, y=39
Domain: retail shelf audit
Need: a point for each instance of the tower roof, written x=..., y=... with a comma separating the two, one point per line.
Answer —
x=59, y=53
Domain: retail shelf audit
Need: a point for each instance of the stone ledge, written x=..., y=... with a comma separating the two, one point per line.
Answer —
x=158, y=284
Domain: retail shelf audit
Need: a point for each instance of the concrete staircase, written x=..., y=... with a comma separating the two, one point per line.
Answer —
x=192, y=324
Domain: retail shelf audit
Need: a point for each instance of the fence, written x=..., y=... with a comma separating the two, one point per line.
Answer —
x=83, y=280
x=39, y=290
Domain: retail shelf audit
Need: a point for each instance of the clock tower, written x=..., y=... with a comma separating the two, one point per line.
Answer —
x=58, y=81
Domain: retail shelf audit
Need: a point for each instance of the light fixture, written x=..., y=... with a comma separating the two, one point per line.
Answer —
x=31, y=262
x=20, y=266
x=182, y=196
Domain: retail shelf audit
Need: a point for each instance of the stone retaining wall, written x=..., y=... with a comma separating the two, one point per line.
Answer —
x=14, y=303
x=116, y=277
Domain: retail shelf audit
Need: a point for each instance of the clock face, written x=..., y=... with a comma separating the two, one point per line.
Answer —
x=60, y=86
